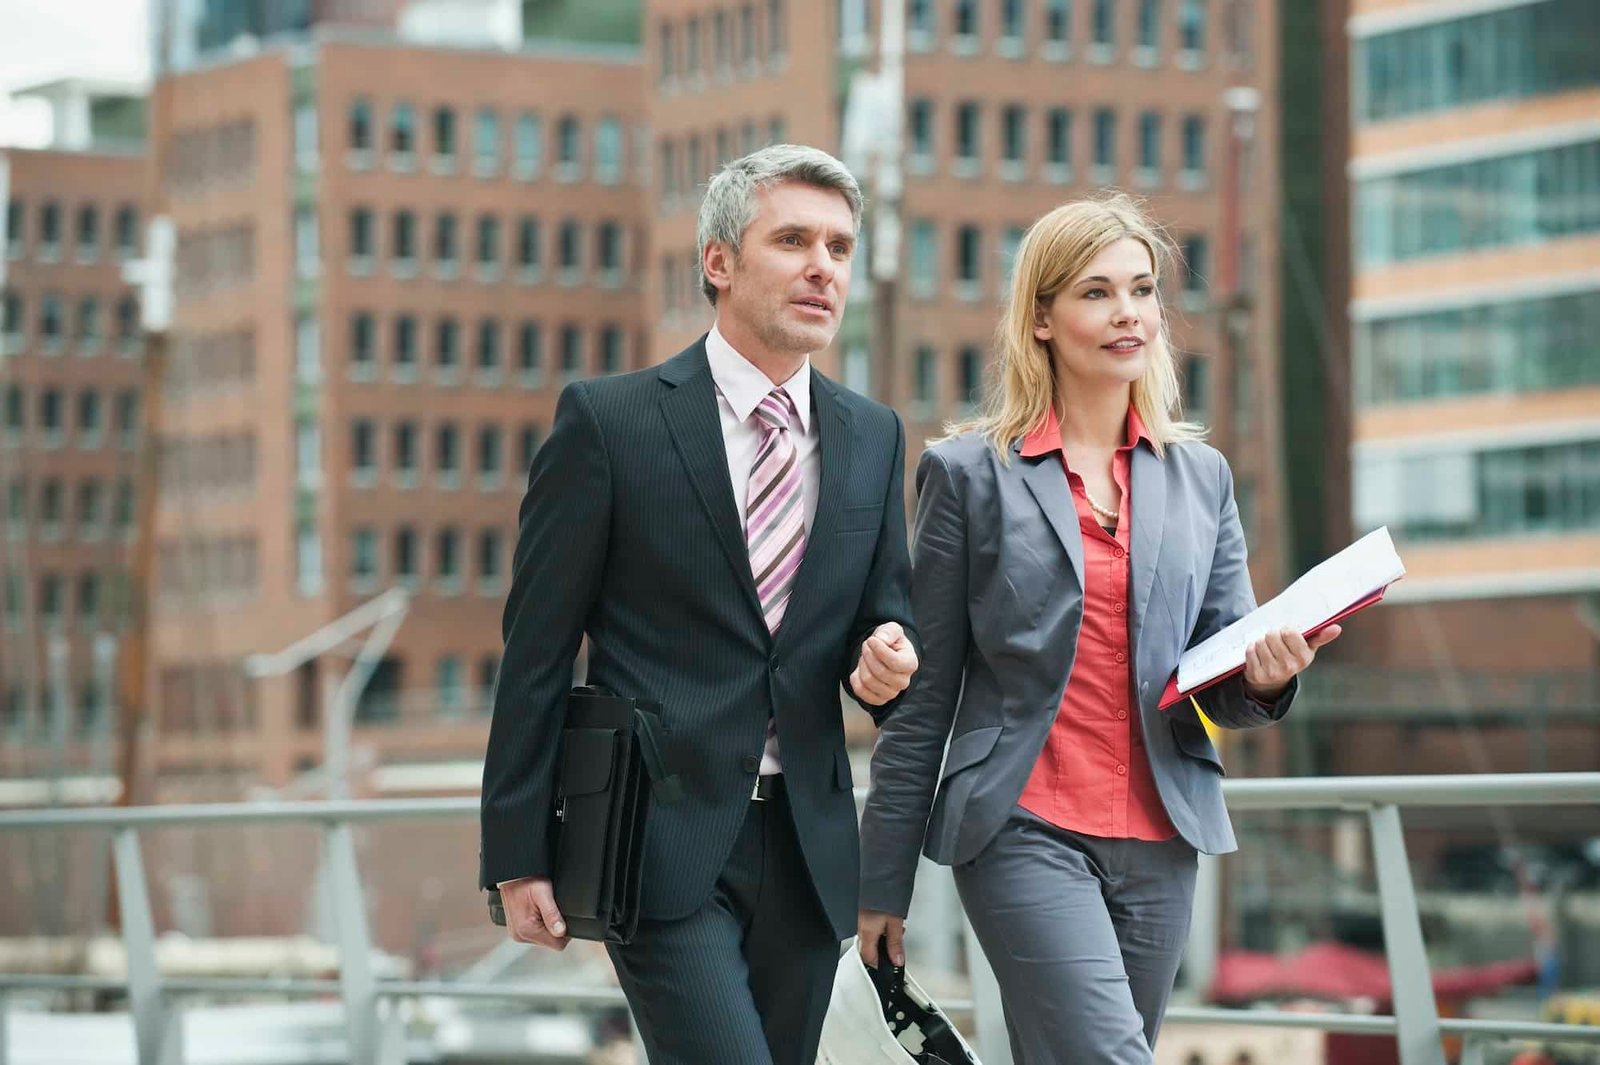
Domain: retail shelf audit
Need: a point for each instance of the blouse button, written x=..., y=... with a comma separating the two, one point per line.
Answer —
x=1121, y=657
x=1122, y=715
x=1122, y=770
x=1117, y=552
x=1119, y=607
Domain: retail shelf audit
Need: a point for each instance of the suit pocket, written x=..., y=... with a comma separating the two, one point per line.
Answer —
x=968, y=749
x=1193, y=741
x=866, y=517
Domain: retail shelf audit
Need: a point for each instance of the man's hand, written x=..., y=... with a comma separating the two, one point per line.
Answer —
x=873, y=924
x=885, y=667
x=1272, y=661
x=531, y=913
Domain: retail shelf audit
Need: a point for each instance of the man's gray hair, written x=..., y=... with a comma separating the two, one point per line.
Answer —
x=729, y=205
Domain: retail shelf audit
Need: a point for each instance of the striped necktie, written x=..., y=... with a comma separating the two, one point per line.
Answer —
x=774, y=517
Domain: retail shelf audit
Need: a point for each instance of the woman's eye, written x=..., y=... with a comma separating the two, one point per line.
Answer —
x=1145, y=290
x=1094, y=293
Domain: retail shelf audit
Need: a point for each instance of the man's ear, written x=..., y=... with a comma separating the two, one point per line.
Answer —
x=716, y=260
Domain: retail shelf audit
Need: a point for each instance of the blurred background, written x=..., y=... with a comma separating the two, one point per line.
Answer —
x=291, y=287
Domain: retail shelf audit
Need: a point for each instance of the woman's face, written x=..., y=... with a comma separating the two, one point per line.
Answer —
x=1100, y=325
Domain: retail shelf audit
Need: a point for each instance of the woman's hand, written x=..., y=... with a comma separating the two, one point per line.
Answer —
x=871, y=925
x=1273, y=661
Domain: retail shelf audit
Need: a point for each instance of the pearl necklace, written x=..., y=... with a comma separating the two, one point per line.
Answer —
x=1108, y=515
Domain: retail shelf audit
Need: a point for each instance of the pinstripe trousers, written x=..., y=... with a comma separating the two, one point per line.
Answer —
x=746, y=978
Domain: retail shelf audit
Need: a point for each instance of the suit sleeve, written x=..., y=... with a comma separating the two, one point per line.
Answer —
x=886, y=595
x=561, y=548
x=1229, y=596
x=905, y=763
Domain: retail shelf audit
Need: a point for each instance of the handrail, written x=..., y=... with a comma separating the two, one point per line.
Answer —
x=1415, y=1022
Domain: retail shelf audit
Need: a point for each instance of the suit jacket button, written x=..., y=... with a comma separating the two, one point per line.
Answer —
x=752, y=762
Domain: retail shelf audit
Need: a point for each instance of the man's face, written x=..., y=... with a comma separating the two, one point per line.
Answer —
x=786, y=288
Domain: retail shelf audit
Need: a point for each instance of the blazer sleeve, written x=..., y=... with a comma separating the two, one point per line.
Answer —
x=910, y=748
x=1229, y=596
x=561, y=547
x=886, y=595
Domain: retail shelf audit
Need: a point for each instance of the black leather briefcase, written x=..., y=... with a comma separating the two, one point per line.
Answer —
x=611, y=767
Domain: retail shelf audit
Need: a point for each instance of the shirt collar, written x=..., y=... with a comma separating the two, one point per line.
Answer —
x=744, y=386
x=1047, y=436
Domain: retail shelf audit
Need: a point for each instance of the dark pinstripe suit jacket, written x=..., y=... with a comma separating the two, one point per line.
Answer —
x=629, y=533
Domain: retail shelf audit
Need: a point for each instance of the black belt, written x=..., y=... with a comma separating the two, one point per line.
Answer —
x=767, y=787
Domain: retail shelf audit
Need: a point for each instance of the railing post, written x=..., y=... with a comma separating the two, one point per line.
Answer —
x=1411, y=981
x=155, y=1026
x=357, y=984
x=988, y=1014
x=1205, y=927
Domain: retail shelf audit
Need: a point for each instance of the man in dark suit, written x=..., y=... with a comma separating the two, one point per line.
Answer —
x=728, y=529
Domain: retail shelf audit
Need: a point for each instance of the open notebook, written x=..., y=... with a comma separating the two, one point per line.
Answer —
x=1335, y=588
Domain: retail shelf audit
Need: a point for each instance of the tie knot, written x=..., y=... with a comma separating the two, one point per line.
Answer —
x=775, y=409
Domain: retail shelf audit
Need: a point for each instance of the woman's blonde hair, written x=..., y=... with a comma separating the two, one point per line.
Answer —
x=1056, y=249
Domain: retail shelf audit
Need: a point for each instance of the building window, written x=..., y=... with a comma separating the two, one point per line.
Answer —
x=15, y=326
x=490, y=556
x=16, y=235
x=608, y=249
x=1058, y=21
x=91, y=510
x=1192, y=26
x=571, y=352
x=89, y=424
x=1011, y=24
x=1512, y=200
x=447, y=455
x=405, y=554
x=527, y=445
x=1058, y=124
x=308, y=559
x=127, y=232
x=968, y=133
x=404, y=248
x=89, y=328
x=486, y=142
x=50, y=231
x=405, y=347
x=1010, y=242
x=925, y=386
x=668, y=52
x=447, y=348
x=363, y=451
x=569, y=147
x=1196, y=264
x=1104, y=28
x=529, y=138
x=965, y=22
x=128, y=324
x=360, y=125
x=364, y=556
x=490, y=453
x=1194, y=145
x=444, y=138
x=489, y=349
x=1150, y=147
x=88, y=233
x=529, y=243
x=50, y=417
x=402, y=135
x=610, y=349
x=922, y=270
x=488, y=245
x=747, y=35
x=919, y=121
x=1522, y=51
x=969, y=372
x=52, y=322
x=969, y=260
x=777, y=30
x=448, y=678
x=1014, y=135
x=1150, y=28
x=608, y=151
x=446, y=244
x=530, y=354
x=570, y=251
x=1105, y=144
x=362, y=244
x=405, y=453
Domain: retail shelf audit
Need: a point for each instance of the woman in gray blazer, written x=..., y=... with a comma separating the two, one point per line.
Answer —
x=1069, y=544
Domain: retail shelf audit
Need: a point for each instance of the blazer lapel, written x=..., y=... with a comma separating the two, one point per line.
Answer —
x=690, y=409
x=1047, y=480
x=1149, y=518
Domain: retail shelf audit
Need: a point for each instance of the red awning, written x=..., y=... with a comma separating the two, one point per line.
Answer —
x=1333, y=971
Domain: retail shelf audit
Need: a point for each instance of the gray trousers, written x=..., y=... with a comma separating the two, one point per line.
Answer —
x=1084, y=935
x=746, y=978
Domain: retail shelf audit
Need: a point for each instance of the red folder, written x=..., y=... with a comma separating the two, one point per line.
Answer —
x=1172, y=695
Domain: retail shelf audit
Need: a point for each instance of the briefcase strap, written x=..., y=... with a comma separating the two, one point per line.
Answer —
x=648, y=727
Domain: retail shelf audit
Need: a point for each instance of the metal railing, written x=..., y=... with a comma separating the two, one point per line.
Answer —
x=376, y=1035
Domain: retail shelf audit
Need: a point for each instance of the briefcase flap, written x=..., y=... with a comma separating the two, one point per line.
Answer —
x=588, y=760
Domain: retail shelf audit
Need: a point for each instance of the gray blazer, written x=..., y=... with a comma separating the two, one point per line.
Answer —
x=997, y=558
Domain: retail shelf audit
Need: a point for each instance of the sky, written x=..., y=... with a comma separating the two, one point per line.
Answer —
x=41, y=40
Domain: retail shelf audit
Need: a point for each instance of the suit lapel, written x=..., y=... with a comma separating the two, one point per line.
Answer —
x=1047, y=480
x=834, y=428
x=689, y=406
x=1149, y=518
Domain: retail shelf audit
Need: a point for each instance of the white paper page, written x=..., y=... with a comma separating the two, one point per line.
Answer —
x=1321, y=592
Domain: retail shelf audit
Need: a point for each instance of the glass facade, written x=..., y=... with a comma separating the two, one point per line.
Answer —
x=1510, y=200
x=1522, y=51
x=1517, y=346
x=1461, y=495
